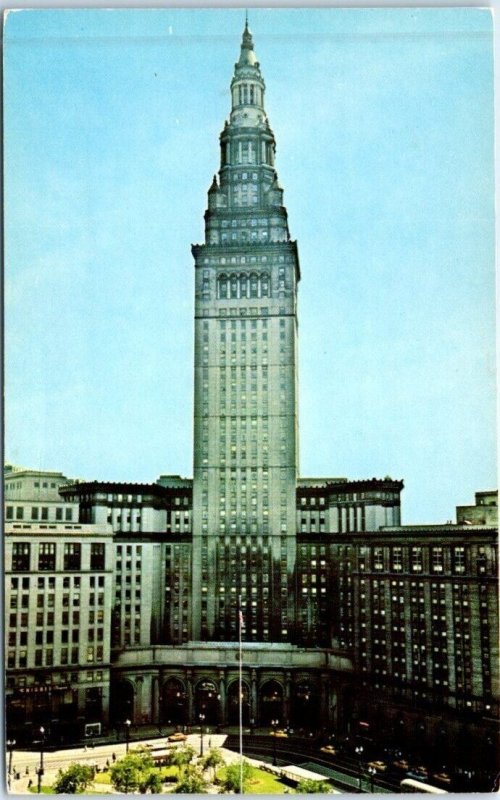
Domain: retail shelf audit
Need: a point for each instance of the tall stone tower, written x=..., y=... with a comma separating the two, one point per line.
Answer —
x=245, y=392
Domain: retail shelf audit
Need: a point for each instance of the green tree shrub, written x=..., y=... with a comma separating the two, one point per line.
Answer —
x=73, y=780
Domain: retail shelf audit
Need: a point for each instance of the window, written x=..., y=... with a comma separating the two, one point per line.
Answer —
x=416, y=559
x=68, y=515
x=47, y=556
x=437, y=559
x=97, y=556
x=397, y=559
x=20, y=557
x=72, y=555
x=458, y=559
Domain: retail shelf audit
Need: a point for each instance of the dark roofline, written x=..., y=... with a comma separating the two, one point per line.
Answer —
x=339, y=486
x=122, y=488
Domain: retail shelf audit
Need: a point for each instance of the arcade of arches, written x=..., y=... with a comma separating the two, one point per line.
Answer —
x=187, y=697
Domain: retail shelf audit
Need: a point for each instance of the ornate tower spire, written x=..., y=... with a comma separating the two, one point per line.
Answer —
x=245, y=410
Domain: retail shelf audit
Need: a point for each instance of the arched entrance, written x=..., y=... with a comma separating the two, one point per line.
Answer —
x=305, y=706
x=271, y=703
x=206, y=702
x=174, y=702
x=233, y=708
x=121, y=702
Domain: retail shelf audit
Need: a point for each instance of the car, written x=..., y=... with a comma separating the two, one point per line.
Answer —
x=380, y=766
x=177, y=737
x=442, y=777
x=280, y=734
x=328, y=748
x=420, y=773
x=401, y=764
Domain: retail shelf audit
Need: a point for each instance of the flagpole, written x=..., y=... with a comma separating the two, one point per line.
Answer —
x=240, y=626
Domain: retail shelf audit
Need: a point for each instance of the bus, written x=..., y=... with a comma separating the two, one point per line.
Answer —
x=411, y=786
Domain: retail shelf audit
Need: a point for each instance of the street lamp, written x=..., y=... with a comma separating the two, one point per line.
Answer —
x=202, y=720
x=274, y=725
x=11, y=743
x=127, y=734
x=40, y=768
x=359, y=752
x=372, y=772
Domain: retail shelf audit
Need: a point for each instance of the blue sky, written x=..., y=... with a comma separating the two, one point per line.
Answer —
x=384, y=127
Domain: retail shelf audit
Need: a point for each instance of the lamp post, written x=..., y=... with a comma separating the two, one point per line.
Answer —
x=359, y=752
x=11, y=743
x=274, y=725
x=40, y=768
x=127, y=734
x=372, y=772
x=202, y=720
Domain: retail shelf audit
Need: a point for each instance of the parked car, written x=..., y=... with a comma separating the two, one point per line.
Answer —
x=328, y=748
x=380, y=766
x=442, y=777
x=420, y=773
x=177, y=737
x=279, y=734
x=401, y=764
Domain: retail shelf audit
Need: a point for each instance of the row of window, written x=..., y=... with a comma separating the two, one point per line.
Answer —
x=47, y=551
x=247, y=260
x=38, y=512
x=437, y=559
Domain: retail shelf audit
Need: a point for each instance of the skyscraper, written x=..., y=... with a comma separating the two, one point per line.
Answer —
x=245, y=406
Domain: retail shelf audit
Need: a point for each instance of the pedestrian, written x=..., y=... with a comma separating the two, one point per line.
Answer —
x=113, y=756
x=107, y=763
x=27, y=770
x=30, y=783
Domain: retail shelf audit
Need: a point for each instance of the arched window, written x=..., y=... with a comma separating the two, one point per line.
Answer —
x=264, y=285
x=222, y=283
x=234, y=286
x=254, y=285
x=243, y=285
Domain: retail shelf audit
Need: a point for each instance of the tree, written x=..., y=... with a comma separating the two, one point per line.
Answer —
x=231, y=781
x=191, y=781
x=132, y=772
x=73, y=780
x=152, y=783
x=310, y=786
x=180, y=757
x=214, y=759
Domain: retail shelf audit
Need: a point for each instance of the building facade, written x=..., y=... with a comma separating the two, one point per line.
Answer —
x=124, y=599
x=245, y=394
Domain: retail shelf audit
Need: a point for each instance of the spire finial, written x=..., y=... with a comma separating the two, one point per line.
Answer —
x=246, y=18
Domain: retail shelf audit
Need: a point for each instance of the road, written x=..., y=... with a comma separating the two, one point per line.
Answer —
x=343, y=770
